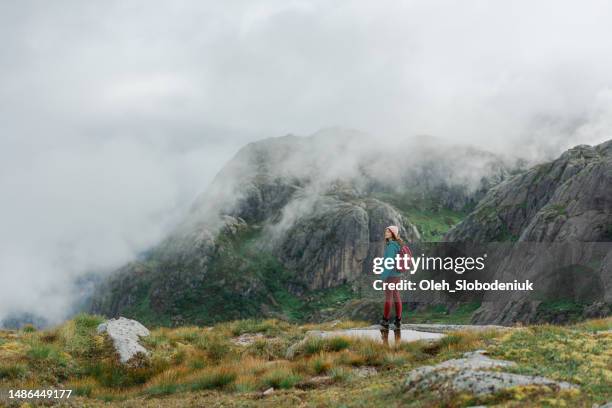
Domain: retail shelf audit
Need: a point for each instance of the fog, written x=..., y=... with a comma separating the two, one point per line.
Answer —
x=115, y=115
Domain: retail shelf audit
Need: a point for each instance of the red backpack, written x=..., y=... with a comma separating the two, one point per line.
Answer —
x=405, y=250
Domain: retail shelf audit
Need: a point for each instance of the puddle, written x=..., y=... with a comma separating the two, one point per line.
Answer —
x=376, y=334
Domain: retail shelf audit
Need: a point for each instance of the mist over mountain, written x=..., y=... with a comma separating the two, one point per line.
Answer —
x=295, y=218
x=291, y=215
x=116, y=116
x=559, y=214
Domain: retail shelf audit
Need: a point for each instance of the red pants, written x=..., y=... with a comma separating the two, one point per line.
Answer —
x=392, y=296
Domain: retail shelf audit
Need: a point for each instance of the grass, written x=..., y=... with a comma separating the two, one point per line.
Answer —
x=573, y=310
x=315, y=345
x=440, y=314
x=432, y=220
x=581, y=354
x=281, y=378
x=202, y=366
x=12, y=371
x=215, y=379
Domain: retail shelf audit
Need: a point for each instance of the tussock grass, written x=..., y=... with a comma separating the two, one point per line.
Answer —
x=28, y=328
x=321, y=364
x=595, y=325
x=12, y=371
x=217, y=378
x=83, y=386
x=216, y=347
x=340, y=374
x=165, y=383
x=79, y=337
x=270, y=327
x=282, y=378
x=196, y=360
x=315, y=345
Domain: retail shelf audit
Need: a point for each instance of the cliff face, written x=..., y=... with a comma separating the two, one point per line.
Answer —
x=290, y=216
x=334, y=243
x=559, y=214
x=568, y=199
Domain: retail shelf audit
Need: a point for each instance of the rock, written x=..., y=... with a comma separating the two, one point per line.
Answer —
x=247, y=339
x=315, y=382
x=475, y=360
x=365, y=371
x=269, y=391
x=295, y=348
x=487, y=382
x=445, y=328
x=566, y=199
x=125, y=335
x=566, y=204
x=335, y=238
x=472, y=373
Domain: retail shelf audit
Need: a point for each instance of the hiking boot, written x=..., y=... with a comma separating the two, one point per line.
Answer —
x=398, y=323
x=384, y=323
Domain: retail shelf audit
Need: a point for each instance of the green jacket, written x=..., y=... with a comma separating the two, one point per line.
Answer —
x=391, y=250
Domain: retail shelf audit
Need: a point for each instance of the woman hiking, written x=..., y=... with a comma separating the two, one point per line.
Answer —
x=392, y=248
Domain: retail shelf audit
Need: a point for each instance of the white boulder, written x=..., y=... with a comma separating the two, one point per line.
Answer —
x=125, y=334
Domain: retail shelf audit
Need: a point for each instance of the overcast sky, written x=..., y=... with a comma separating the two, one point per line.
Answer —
x=115, y=114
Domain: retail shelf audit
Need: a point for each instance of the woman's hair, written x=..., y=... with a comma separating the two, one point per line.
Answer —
x=395, y=238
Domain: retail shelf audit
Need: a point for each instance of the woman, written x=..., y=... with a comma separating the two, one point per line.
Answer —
x=392, y=248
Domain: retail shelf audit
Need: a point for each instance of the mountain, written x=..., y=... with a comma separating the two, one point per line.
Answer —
x=290, y=225
x=567, y=199
x=558, y=215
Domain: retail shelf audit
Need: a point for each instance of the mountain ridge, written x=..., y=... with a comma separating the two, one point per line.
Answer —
x=318, y=206
x=296, y=221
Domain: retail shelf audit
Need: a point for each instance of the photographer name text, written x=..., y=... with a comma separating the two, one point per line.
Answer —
x=455, y=286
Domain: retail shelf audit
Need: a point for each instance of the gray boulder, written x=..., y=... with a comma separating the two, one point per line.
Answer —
x=473, y=374
x=125, y=335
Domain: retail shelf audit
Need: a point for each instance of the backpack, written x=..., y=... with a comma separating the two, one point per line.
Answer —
x=405, y=250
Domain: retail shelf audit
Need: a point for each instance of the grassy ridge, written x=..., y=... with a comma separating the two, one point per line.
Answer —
x=431, y=219
x=230, y=364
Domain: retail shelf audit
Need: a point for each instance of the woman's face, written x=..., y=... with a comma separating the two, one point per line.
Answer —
x=387, y=233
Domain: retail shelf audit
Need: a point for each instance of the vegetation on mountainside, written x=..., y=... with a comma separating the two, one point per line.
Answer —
x=230, y=364
x=441, y=314
x=431, y=219
x=244, y=280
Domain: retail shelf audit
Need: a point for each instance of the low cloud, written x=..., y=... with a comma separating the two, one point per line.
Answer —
x=115, y=115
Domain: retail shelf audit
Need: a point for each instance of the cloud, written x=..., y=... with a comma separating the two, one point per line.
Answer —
x=115, y=115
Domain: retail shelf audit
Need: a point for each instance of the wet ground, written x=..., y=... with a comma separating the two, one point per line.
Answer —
x=384, y=336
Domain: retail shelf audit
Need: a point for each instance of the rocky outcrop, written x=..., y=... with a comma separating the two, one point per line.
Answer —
x=125, y=335
x=568, y=199
x=334, y=242
x=557, y=218
x=473, y=373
